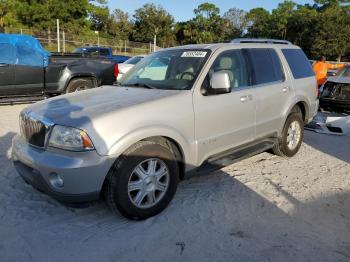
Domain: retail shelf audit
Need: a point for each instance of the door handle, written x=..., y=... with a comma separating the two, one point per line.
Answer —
x=285, y=89
x=246, y=98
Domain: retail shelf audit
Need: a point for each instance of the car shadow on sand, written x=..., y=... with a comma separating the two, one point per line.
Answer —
x=333, y=145
x=214, y=217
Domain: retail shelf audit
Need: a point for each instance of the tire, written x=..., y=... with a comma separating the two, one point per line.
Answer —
x=125, y=174
x=283, y=147
x=79, y=84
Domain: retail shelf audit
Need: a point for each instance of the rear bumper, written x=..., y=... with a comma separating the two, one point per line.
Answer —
x=82, y=173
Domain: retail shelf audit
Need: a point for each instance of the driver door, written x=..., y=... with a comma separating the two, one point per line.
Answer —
x=7, y=69
x=225, y=121
x=29, y=71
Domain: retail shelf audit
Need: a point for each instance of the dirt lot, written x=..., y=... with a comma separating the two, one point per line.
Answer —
x=265, y=208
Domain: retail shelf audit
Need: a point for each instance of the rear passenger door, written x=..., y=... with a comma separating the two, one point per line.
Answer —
x=273, y=90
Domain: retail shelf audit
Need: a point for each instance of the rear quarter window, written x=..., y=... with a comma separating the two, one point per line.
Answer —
x=298, y=63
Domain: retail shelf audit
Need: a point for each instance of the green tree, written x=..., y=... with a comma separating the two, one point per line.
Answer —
x=302, y=27
x=119, y=25
x=237, y=19
x=151, y=20
x=8, y=15
x=43, y=14
x=258, y=20
x=333, y=33
x=280, y=17
x=207, y=10
x=99, y=17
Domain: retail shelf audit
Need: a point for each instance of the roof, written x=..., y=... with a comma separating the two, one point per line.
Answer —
x=216, y=46
x=17, y=40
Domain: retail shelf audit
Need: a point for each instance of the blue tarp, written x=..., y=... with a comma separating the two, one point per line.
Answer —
x=22, y=50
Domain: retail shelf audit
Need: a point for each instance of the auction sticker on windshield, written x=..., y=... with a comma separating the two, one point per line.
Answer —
x=194, y=54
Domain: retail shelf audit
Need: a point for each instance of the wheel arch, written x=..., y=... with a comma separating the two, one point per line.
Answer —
x=90, y=77
x=172, y=143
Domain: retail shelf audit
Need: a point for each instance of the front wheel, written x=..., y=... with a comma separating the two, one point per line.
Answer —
x=143, y=181
x=292, y=136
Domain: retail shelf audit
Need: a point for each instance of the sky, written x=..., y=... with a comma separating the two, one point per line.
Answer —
x=182, y=10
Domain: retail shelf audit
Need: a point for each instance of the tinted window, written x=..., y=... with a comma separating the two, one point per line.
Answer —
x=266, y=66
x=298, y=63
x=277, y=66
x=104, y=51
x=7, y=54
x=233, y=63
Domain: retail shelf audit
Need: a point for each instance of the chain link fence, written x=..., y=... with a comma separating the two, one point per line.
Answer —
x=69, y=42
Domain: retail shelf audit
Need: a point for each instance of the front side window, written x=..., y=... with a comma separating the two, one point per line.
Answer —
x=7, y=54
x=29, y=57
x=233, y=63
x=170, y=69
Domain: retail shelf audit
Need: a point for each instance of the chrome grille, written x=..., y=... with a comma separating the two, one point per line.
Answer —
x=33, y=130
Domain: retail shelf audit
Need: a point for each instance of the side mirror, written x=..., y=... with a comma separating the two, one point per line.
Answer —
x=220, y=83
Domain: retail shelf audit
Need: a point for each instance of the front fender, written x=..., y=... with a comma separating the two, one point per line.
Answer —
x=187, y=147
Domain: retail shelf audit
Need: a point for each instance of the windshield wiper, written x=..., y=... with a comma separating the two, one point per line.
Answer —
x=142, y=85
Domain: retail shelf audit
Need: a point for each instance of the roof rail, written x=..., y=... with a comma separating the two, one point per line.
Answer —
x=260, y=41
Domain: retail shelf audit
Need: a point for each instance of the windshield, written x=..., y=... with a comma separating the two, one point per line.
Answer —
x=92, y=51
x=134, y=60
x=171, y=69
x=345, y=72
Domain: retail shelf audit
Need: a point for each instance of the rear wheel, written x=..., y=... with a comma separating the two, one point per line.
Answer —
x=292, y=136
x=143, y=181
x=76, y=85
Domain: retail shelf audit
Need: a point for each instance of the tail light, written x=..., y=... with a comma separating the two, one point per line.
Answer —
x=116, y=70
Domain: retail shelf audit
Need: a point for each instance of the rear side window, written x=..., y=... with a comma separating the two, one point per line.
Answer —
x=298, y=63
x=266, y=66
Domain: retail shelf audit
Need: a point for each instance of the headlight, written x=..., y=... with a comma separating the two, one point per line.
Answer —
x=70, y=138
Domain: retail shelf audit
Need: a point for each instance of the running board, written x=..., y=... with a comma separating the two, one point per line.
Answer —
x=232, y=156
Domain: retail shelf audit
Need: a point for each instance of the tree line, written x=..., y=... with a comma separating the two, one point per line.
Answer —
x=321, y=28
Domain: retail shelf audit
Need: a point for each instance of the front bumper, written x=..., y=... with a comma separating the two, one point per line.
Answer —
x=83, y=173
x=335, y=104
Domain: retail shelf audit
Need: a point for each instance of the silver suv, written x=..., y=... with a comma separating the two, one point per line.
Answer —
x=182, y=110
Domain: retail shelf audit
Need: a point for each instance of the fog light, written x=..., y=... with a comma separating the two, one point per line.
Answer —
x=56, y=180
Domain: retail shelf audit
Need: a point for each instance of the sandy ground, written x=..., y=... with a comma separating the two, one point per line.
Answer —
x=265, y=208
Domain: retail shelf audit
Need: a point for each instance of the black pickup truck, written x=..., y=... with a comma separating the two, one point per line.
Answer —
x=26, y=69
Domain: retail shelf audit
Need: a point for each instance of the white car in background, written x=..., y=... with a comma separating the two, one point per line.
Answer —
x=128, y=64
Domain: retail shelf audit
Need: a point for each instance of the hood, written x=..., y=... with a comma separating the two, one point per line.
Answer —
x=78, y=108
